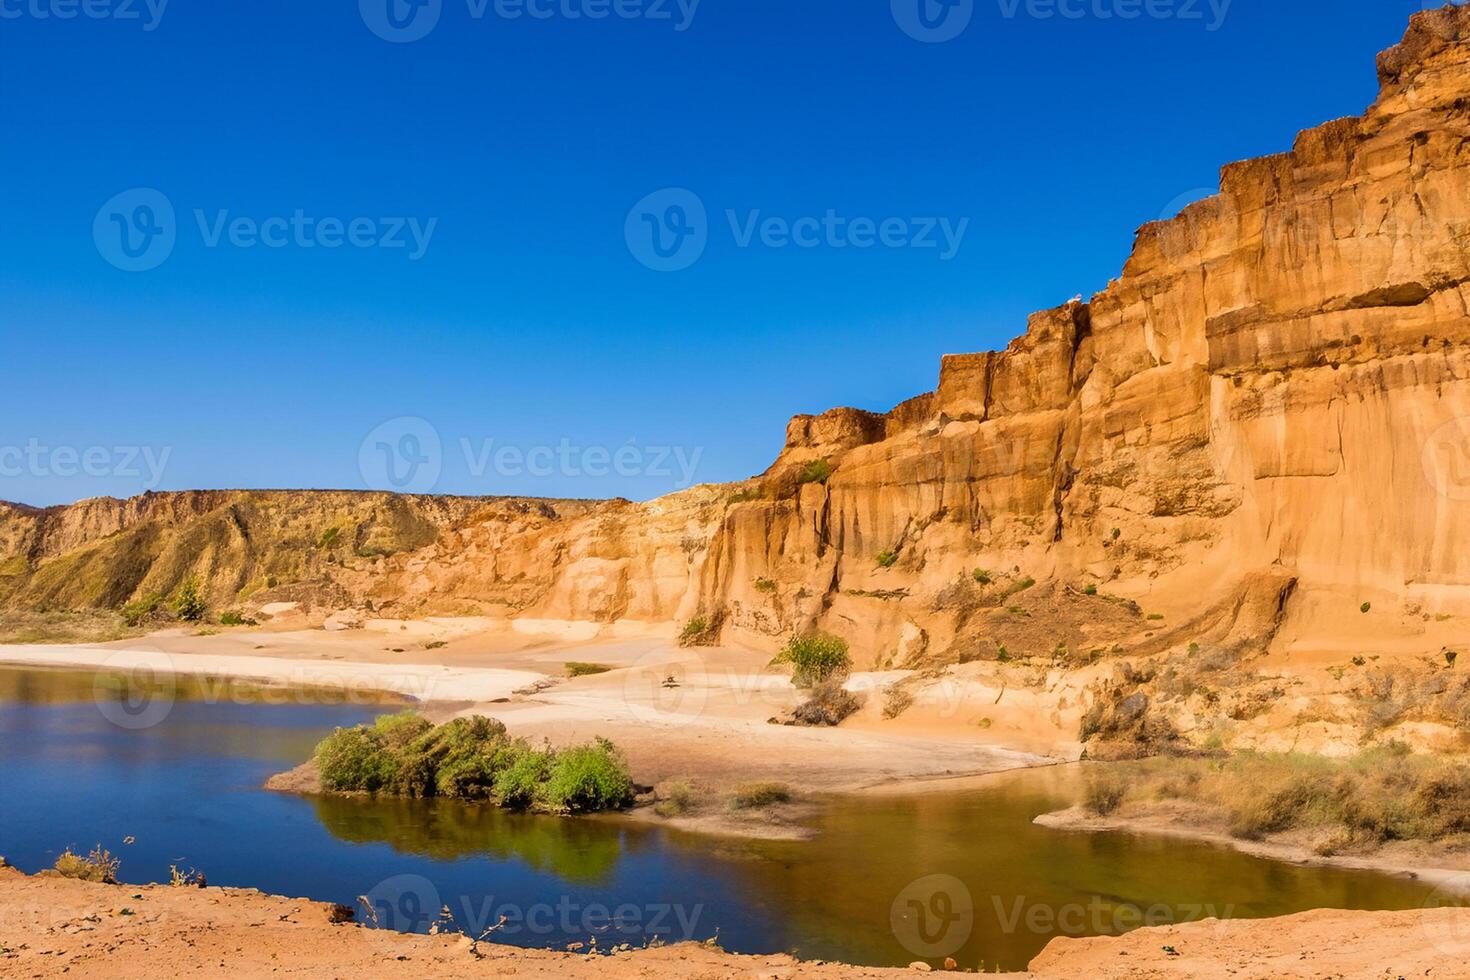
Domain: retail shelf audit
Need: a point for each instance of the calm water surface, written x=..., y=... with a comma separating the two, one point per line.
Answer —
x=888, y=880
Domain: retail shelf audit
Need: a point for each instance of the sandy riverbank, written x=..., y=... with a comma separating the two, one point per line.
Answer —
x=678, y=714
x=51, y=927
x=1444, y=868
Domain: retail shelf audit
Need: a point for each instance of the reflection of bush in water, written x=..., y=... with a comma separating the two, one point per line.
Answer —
x=582, y=851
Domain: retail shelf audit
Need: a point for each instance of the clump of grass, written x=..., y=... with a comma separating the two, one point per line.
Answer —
x=1091, y=589
x=702, y=630
x=134, y=613
x=436, y=644
x=817, y=471
x=99, y=866
x=814, y=658
x=1019, y=586
x=1366, y=607
x=752, y=796
x=189, y=603
x=1104, y=795
x=741, y=496
x=472, y=759
x=235, y=618
x=981, y=576
x=765, y=585
x=677, y=799
x=887, y=559
x=576, y=669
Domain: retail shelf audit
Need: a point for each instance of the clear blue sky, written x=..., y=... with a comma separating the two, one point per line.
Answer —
x=528, y=319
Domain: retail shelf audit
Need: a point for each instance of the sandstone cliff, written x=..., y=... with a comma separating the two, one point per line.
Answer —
x=1259, y=427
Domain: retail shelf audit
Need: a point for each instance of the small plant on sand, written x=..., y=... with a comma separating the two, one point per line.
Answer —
x=99, y=866
x=741, y=496
x=981, y=576
x=829, y=705
x=576, y=669
x=887, y=559
x=233, y=618
x=765, y=585
x=1366, y=607
x=1104, y=795
x=753, y=796
x=135, y=612
x=188, y=603
x=677, y=798
x=186, y=879
x=694, y=628
x=817, y=471
x=814, y=658
x=1090, y=590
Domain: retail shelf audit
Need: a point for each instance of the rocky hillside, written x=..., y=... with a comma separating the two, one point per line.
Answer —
x=1253, y=435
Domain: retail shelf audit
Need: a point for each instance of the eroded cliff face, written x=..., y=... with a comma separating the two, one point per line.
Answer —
x=1260, y=425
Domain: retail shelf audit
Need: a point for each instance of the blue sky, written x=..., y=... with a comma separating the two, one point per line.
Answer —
x=524, y=325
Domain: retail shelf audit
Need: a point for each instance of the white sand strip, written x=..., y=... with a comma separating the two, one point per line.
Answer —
x=423, y=683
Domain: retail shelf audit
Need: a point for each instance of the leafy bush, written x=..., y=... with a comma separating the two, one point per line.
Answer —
x=99, y=866
x=471, y=759
x=328, y=538
x=1091, y=589
x=765, y=585
x=817, y=471
x=694, y=628
x=814, y=658
x=189, y=604
x=887, y=559
x=754, y=795
x=577, y=669
x=233, y=618
x=588, y=778
x=981, y=576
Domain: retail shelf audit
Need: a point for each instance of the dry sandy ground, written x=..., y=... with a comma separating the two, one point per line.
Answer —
x=51, y=927
x=677, y=713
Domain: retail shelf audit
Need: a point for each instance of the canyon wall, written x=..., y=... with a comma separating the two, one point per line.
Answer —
x=1262, y=424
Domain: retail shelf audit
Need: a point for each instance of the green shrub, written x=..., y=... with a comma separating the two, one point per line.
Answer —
x=233, y=618
x=741, y=496
x=352, y=760
x=814, y=658
x=140, y=609
x=518, y=785
x=189, y=604
x=982, y=576
x=471, y=759
x=754, y=795
x=887, y=559
x=1090, y=590
x=576, y=669
x=588, y=778
x=694, y=629
x=817, y=471
x=99, y=866
x=1366, y=607
x=765, y=585
x=328, y=538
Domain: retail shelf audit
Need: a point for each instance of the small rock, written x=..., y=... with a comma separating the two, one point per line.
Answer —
x=921, y=966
